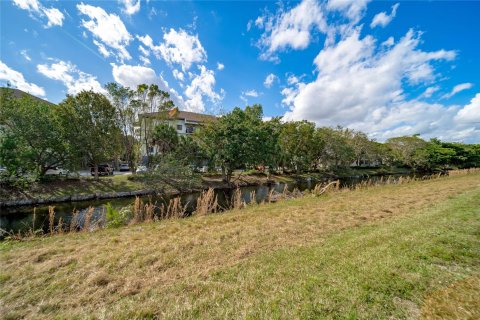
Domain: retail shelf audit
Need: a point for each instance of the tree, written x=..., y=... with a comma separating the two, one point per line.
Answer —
x=409, y=151
x=235, y=140
x=337, y=151
x=165, y=138
x=127, y=109
x=189, y=152
x=90, y=125
x=298, y=144
x=31, y=138
x=156, y=106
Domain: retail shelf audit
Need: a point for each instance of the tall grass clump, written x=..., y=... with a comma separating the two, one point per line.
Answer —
x=88, y=219
x=175, y=208
x=207, y=203
x=237, y=202
x=74, y=221
x=51, y=219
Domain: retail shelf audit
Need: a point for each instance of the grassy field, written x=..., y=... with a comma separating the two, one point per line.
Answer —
x=391, y=252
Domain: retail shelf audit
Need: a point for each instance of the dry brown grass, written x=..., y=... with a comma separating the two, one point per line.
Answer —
x=460, y=300
x=207, y=203
x=141, y=268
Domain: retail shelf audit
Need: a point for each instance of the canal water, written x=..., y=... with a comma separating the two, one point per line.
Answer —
x=25, y=218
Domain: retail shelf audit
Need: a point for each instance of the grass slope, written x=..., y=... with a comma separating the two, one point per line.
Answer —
x=402, y=251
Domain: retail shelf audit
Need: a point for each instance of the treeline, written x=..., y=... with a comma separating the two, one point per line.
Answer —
x=85, y=129
x=240, y=139
x=91, y=128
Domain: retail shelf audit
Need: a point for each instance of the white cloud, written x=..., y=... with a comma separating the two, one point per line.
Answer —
x=292, y=79
x=178, y=75
x=30, y=5
x=17, y=80
x=182, y=48
x=361, y=87
x=146, y=40
x=471, y=112
x=25, y=55
x=251, y=93
x=54, y=16
x=457, y=89
x=103, y=51
x=202, y=85
x=259, y=21
x=353, y=9
x=130, y=6
x=178, y=47
x=383, y=19
x=220, y=66
x=269, y=80
x=131, y=76
x=429, y=91
x=145, y=60
x=290, y=29
x=389, y=42
x=73, y=79
x=108, y=29
x=144, y=51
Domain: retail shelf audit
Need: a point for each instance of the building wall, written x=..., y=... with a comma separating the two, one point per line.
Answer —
x=180, y=125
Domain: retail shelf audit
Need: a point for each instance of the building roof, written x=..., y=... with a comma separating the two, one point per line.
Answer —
x=21, y=94
x=183, y=115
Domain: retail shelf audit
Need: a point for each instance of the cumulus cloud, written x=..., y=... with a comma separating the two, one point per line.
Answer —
x=353, y=9
x=290, y=29
x=202, y=85
x=131, y=76
x=471, y=112
x=17, y=80
x=73, y=79
x=220, y=66
x=361, y=86
x=108, y=30
x=130, y=7
x=269, y=80
x=53, y=16
x=457, y=89
x=182, y=48
x=178, y=47
x=383, y=19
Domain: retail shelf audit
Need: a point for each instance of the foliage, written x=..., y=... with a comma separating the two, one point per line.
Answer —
x=189, y=152
x=90, y=127
x=236, y=140
x=127, y=110
x=155, y=106
x=165, y=138
x=31, y=136
x=116, y=218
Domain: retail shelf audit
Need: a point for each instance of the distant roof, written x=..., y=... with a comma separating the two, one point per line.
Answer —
x=21, y=94
x=184, y=115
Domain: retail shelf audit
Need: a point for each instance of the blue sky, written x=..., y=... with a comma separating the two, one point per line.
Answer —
x=388, y=68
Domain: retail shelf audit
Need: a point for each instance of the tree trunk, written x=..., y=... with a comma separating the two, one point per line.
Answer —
x=224, y=174
x=95, y=166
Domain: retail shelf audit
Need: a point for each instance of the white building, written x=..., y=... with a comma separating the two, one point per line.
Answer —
x=184, y=122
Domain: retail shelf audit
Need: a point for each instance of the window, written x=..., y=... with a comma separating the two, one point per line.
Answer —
x=179, y=127
x=189, y=129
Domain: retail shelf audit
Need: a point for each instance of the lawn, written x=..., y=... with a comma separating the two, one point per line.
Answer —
x=391, y=252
